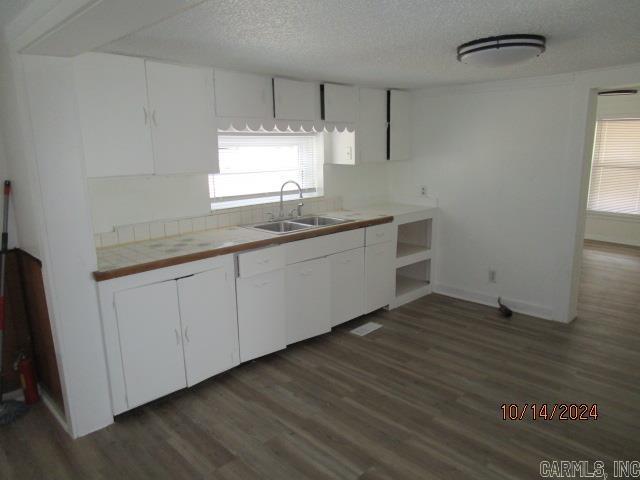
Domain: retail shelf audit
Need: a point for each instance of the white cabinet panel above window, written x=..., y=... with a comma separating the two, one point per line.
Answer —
x=183, y=123
x=243, y=95
x=114, y=115
x=295, y=100
x=340, y=103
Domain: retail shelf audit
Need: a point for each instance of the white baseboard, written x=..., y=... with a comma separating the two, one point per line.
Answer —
x=490, y=300
x=608, y=239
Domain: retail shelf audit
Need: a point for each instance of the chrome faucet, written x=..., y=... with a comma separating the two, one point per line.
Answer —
x=298, y=207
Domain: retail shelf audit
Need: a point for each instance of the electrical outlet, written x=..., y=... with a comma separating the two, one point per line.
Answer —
x=423, y=190
x=492, y=276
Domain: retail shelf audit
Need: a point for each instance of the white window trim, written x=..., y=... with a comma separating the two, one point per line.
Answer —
x=287, y=197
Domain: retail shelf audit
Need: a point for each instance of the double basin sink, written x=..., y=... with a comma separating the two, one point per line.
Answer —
x=280, y=227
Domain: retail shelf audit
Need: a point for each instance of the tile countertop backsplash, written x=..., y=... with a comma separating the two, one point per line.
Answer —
x=136, y=253
x=218, y=219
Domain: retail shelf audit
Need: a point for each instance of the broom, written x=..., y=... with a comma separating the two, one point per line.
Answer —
x=10, y=409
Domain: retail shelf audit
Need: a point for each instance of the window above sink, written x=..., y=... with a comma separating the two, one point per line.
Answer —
x=253, y=166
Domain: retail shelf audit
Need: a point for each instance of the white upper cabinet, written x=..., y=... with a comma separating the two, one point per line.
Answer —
x=294, y=100
x=371, y=126
x=183, y=129
x=243, y=95
x=340, y=103
x=399, y=125
x=114, y=115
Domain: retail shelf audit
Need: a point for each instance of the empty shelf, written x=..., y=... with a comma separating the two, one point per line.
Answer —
x=408, y=253
x=409, y=289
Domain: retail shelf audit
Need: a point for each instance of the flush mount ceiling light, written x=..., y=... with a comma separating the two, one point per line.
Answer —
x=501, y=50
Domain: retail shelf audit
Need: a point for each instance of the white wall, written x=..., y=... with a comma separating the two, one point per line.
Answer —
x=607, y=227
x=26, y=225
x=509, y=164
x=358, y=185
x=125, y=200
x=68, y=254
x=491, y=158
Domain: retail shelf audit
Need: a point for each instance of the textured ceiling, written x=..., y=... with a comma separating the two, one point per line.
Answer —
x=9, y=9
x=396, y=43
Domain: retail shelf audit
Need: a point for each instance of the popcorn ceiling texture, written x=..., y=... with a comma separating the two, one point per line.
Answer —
x=392, y=43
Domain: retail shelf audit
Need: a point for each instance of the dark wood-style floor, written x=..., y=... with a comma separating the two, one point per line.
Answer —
x=418, y=399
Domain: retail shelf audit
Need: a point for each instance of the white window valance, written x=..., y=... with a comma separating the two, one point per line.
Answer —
x=229, y=124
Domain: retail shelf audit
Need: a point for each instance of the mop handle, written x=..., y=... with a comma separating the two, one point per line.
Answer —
x=5, y=241
x=3, y=252
x=5, y=215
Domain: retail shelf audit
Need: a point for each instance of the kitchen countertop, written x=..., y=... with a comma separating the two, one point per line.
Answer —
x=137, y=257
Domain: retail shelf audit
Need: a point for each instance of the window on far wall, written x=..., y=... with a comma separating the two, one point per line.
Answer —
x=615, y=169
x=253, y=167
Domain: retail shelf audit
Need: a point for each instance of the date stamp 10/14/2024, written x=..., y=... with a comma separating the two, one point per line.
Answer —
x=549, y=411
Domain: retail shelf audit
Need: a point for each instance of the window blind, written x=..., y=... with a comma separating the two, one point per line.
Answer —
x=615, y=169
x=254, y=166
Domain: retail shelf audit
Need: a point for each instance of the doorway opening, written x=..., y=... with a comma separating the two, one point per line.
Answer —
x=610, y=275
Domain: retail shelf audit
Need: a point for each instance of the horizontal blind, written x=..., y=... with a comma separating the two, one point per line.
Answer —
x=615, y=169
x=253, y=166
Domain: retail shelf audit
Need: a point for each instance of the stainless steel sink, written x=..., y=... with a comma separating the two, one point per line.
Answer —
x=284, y=226
x=287, y=226
x=320, y=221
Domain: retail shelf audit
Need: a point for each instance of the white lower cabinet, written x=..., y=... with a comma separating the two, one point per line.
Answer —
x=379, y=274
x=168, y=329
x=209, y=325
x=308, y=306
x=261, y=317
x=347, y=285
x=150, y=341
x=171, y=328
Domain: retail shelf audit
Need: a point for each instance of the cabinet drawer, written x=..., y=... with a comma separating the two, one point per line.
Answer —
x=323, y=246
x=260, y=261
x=379, y=234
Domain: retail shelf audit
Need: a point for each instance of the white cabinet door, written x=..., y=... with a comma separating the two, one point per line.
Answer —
x=296, y=100
x=150, y=341
x=340, y=103
x=347, y=285
x=243, y=95
x=400, y=126
x=261, y=318
x=209, y=325
x=379, y=273
x=185, y=138
x=114, y=116
x=371, y=127
x=307, y=299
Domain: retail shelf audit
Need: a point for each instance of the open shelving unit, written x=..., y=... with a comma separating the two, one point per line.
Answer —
x=414, y=254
